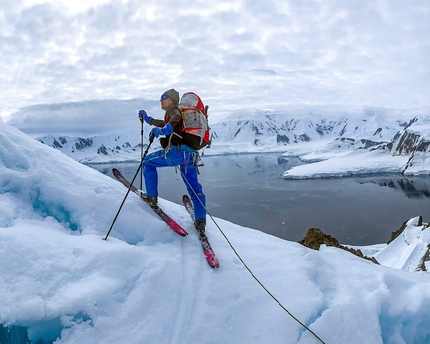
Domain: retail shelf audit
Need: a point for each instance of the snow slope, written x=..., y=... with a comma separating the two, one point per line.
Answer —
x=406, y=252
x=146, y=284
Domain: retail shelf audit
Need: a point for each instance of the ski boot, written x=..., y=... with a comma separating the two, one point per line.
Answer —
x=151, y=199
x=200, y=225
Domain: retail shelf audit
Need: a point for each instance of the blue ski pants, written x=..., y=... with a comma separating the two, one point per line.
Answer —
x=184, y=157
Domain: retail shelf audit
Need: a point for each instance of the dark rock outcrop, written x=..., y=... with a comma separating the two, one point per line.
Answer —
x=81, y=144
x=102, y=150
x=408, y=143
x=424, y=259
x=315, y=237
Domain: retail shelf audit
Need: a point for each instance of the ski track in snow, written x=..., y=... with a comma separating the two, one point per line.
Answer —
x=415, y=254
x=180, y=321
x=186, y=317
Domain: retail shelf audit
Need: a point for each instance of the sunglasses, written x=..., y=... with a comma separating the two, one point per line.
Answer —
x=163, y=97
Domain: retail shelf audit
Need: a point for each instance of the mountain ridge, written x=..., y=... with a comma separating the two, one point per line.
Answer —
x=396, y=133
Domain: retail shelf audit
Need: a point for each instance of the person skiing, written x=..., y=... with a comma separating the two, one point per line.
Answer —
x=175, y=153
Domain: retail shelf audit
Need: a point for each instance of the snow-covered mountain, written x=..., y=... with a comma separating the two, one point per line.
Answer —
x=59, y=281
x=310, y=125
x=97, y=149
x=314, y=134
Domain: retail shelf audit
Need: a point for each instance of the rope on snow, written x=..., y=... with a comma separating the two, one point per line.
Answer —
x=246, y=266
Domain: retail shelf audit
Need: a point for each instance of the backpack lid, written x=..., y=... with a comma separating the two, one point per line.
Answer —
x=191, y=100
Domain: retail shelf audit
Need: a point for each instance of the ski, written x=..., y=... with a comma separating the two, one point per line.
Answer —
x=207, y=249
x=166, y=218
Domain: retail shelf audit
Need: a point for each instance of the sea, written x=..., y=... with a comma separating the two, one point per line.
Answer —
x=248, y=189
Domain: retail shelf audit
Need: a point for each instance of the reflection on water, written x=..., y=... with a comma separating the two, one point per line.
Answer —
x=419, y=187
x=248, y=190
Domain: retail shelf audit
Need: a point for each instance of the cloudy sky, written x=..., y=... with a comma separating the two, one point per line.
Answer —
x=90, y=65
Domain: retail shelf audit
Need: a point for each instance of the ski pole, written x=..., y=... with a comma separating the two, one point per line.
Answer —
x=128, y=191
x=141, y=153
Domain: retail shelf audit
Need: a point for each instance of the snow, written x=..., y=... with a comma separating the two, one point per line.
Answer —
x=349, y=164
x=146, y=284
x=407, y=250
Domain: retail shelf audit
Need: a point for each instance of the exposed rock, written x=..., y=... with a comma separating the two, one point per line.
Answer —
x=82, y=144
x=56, y=144
x=302, y=138
x=408, y=143
x=102, y=150
x=315, y=237
x=424, y=259
x=282, y=139
x=395, y=234
x=368, y=143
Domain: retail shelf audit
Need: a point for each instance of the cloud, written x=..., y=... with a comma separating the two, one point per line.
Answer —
x=84, y=118
x=239, y=55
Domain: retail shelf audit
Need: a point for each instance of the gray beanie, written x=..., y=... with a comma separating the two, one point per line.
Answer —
x=173, y=95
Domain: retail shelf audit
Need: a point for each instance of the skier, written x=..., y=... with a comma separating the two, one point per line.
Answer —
x=175, y=153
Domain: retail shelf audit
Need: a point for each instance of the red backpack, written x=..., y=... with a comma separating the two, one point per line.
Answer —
x=195, y=119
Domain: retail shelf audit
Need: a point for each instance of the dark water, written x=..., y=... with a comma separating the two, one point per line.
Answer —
x=248, y=190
